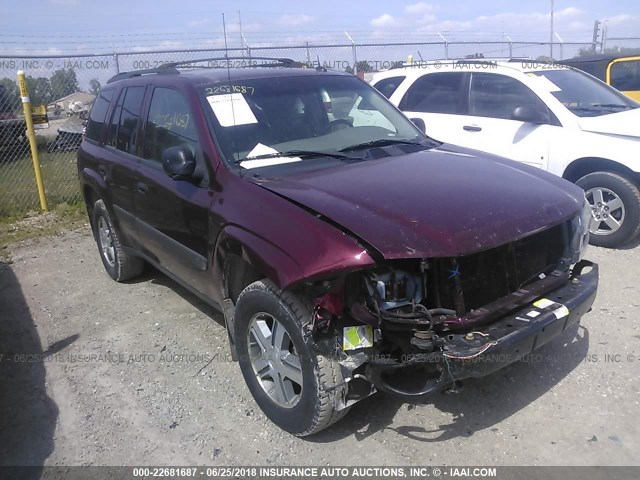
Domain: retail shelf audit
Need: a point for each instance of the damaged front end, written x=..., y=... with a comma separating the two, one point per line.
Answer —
x=413, y=327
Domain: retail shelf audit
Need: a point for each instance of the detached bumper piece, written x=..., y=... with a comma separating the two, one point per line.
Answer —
x=483, y=350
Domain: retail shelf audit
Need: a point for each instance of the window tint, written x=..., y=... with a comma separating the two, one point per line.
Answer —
x=115, y=119
x=389, y=85
x=497, y=96
x=625, y=76
x=124, y=122
x=435, y=93
x=128, y=127
x=98, y=114
x=170, y=124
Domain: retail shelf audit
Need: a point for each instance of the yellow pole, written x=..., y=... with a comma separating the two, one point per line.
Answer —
x=31, y=134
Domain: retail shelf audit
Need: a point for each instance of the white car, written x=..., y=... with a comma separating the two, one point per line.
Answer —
x=553, y=117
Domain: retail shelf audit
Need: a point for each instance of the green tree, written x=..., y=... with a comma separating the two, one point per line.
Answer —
x=63, y=83
x=9, y=95
x=39, y=90
x=616, y=51
x=94, y=86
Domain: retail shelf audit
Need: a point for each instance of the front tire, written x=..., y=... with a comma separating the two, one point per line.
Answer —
x=615, y=205
x=298, y=389
x=118, y=264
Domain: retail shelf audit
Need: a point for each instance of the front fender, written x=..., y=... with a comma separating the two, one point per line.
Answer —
x=287, y=266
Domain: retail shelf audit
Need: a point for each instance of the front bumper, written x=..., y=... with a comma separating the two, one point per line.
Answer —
x=481, y=351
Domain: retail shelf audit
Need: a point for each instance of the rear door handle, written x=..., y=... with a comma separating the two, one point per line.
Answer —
x=472, y=128
x=142, y=187
x=103, y=171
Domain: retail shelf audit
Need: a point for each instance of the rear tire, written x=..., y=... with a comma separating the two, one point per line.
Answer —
x=118, y=264
x=294, y=386
x=615, y=204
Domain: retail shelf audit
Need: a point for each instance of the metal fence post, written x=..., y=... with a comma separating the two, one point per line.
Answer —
x=446, y=46
x=355, y=54
x=31, y=134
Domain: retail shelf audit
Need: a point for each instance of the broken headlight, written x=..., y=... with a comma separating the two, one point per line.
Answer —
x=580, y=226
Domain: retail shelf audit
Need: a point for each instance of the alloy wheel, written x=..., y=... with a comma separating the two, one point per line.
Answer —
x=274, y=360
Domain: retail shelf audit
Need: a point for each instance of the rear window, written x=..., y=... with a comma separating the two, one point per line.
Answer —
x=625, y=76
x=98, y=115
x=389, y=85
x=435, y=93
x=124, y=123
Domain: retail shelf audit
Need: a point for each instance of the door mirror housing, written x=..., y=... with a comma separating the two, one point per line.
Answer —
x=418, y=122
x=529, y=114
x=179, y=163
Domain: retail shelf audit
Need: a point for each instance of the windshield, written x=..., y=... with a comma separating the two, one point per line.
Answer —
x=582, y=94
x=282, y=120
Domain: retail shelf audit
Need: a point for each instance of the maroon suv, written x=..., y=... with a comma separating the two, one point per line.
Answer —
x=349, y=252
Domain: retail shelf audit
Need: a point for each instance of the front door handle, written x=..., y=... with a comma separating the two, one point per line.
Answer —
x=103, y=171
x=472, y=128
x=141, y=187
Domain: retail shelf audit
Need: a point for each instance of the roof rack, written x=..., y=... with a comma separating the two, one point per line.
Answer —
x=172, y=68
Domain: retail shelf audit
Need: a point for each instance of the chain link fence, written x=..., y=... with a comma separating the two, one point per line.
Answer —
x=66, y=86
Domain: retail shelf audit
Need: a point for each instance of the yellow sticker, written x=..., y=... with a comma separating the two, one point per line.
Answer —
x=360, y=336
x=543, y=303
x=559, y=311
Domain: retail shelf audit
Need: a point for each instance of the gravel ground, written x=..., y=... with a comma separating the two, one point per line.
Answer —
x=157, y=399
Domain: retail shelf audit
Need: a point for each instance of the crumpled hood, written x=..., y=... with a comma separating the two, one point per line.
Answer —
x=443, y=202
x=625, y=123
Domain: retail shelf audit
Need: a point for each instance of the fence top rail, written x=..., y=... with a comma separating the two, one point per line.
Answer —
x=294, y=47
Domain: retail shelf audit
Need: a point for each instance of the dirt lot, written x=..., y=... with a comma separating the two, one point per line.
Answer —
x=157, y=399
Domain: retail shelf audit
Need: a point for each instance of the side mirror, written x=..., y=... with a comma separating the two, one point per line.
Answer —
x=179, y=163
x=418, y=122
x=529, y=114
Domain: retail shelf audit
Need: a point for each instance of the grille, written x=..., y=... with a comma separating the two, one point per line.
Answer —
x=470, y=282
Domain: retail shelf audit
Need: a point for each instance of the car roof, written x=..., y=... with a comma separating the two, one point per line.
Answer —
x=419, y=68
x=199, y=76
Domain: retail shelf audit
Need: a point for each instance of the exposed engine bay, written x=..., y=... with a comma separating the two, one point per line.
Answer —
x=397, y=327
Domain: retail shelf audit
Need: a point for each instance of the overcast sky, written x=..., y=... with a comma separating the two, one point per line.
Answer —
x=61, y=26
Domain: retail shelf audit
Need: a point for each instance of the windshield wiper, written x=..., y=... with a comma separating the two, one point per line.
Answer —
x=379, y=143
x=611, y=105
x=298, y=153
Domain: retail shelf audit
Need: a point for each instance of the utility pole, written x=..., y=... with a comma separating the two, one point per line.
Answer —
x=596, y=34
x=240, y=29
x=551, y=34
x=603, y=42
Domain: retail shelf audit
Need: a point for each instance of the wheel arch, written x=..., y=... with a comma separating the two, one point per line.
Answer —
x=241, y=258
x=586, y=165
x=90, y=196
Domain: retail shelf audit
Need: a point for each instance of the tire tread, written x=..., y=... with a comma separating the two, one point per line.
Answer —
x=329, y=377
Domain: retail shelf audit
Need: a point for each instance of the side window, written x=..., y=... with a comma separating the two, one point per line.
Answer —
x=115, y=119
x=497, y=96
x=435, y=93
x=170, y=124
x=124, y=122
x=387, y=86
x=98, y=115
x=128, y=127
x=625, y=76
